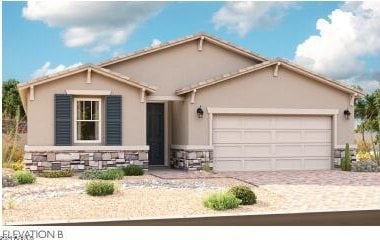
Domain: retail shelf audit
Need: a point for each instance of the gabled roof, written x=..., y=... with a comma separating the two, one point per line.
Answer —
x=83, y=68
x=278, y=61
x=162, y=46
x=23, y=87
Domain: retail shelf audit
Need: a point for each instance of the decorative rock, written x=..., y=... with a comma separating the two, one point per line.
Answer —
x=56, y=166
x=191, y=155
x=97, y=156
x=51, y=156
x=106, y=156
x=39, y=158
x=81, y=167
x=120, y=155
x=114, y=155
x=63, y=157
x=33, y=168
x=83, y=156
x=27, y=156
x=74, y=156
x=143, y=155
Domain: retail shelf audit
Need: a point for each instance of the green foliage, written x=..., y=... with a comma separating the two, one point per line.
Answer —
x=367, y=111
x=100, y=188
x=244, y=193
x=346, y=161
x=90, y=174
x=221, y=201
x=133, y=170
x=13, y=150
x=24, y=177
x=111, y=174
x=11, y=99
x=56, y=174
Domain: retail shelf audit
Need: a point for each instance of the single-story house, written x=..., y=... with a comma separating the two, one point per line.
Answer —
x=195, y=103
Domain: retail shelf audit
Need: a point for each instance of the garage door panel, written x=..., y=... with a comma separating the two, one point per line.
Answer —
x=229, y=164
x=250, y=142
x=257, y=136
x=317, y=150
x=257, y=150
x=317, y=164
x=263, y=164
x=317, y=136
x=288, y=164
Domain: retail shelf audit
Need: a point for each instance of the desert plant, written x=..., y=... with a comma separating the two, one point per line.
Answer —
x=90, y=174
x=56, y=173
x=244, y=193
x=111, y=174
x=221, y=201
x=24, y=177
x=100, y=188
x=346, y=161
x=365, y=166
x=364, y=156
x=133, y=170
x=17, y=166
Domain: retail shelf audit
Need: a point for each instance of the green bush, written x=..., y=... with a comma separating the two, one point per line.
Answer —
x=24, y=177
x=56, y=174
x=346, y=161
x=244, y=193
x=100, y=188
x=111, y=174
x=90, y=174
x=133, y=170
x=221, y=201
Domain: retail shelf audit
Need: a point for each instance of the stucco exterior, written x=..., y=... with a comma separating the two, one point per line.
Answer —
x=40, y=111
x=181, y=65
x=262, y=90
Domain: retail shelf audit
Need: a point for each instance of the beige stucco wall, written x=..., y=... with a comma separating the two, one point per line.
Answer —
x=262, y=90
x=179, y=66
x=41, y=110
x=180, y=122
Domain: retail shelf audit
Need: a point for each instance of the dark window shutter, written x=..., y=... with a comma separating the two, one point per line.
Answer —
x=63, y=119
x=113, y=120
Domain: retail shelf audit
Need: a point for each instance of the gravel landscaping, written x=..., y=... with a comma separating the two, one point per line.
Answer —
x=64, y=199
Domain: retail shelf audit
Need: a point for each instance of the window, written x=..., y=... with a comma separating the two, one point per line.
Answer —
x=87, y=120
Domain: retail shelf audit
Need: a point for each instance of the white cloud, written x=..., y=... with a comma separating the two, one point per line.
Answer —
x=46, y=69
x=351, y=33
x=95, y=25
x=242, y=17
x=155, y=42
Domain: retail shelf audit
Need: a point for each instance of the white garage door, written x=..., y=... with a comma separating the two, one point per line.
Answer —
x=248, y=143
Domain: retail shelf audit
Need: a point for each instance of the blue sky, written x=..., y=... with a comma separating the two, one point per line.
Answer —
x=43, y=38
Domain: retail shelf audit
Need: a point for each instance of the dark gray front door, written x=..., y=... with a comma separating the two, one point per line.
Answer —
x=155, y=133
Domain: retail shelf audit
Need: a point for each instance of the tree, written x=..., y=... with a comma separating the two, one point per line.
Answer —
x=11, y=100
x=367, y=110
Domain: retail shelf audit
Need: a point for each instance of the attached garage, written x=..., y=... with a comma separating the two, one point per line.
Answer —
x=272, y=142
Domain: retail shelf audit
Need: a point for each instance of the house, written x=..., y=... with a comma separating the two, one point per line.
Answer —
x=198, y=102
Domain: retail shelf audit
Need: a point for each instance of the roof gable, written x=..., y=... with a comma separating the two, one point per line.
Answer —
x=201, y=36
x=280, y=63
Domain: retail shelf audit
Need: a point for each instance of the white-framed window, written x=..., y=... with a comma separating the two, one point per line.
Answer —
x=87, y=120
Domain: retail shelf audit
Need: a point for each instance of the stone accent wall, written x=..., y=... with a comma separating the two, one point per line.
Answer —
x=191, y=159
x=339, y=155
x=82, y=160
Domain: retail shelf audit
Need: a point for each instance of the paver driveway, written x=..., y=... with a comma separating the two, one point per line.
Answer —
x=305, y=191
x=318, y=190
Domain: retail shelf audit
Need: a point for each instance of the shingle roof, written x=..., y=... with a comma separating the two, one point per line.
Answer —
x=173, y=43
x=253, y=68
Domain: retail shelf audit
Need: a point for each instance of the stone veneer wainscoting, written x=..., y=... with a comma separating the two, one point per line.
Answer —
x=186, y=158
x=339, y=154
x=38, y=161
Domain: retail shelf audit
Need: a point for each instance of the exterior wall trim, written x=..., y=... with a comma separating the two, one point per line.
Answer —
x=89, y=92
x=273, y=111
x=85, y=148
x=193, y=147
x=164, y=98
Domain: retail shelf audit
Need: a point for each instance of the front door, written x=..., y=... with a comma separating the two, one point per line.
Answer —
x=155, y=133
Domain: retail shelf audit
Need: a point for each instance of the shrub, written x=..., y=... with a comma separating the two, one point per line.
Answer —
x=363, y=156
x=17, y=166
x=90, y=174
x=111, y=174
x=244, y=193
x=56, y=174
x=221, y=201
x=365, y=166
x=100, y=188
x=24, y=177
x=133, y=170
